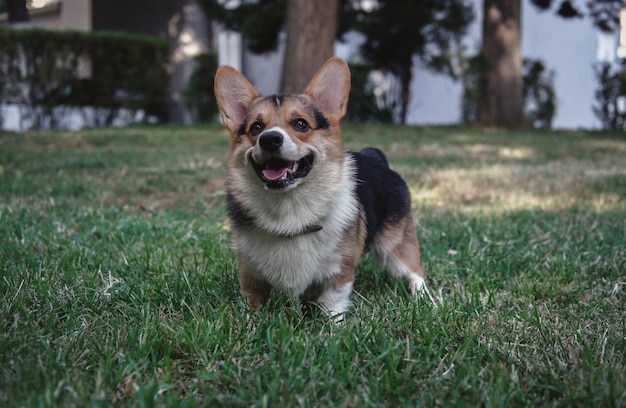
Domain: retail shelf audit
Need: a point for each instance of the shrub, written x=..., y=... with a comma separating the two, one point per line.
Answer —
x=611, y=95
x=538, y=94
x=43, y=71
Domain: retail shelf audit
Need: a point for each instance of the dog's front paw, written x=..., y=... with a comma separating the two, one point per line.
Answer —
x=335, y=300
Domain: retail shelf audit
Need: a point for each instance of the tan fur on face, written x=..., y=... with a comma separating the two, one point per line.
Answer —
x=273, y=114
x=321, y=186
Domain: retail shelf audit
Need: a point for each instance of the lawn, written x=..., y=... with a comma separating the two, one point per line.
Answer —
x=118, y=285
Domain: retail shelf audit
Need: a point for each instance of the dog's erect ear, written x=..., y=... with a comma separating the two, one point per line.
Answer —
x=234, y=95
x=330, y=88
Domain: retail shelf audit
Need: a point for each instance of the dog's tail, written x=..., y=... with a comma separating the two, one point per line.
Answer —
x=375, y=155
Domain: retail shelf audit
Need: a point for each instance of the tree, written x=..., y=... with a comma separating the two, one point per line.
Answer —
x=500, y=102
x=398, y=31
x=260, y=22
x=500, y=99
x=311, y=31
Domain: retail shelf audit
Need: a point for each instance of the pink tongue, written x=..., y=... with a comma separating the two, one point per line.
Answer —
x=274, y=174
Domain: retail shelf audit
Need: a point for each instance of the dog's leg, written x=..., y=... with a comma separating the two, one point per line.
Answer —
x=398, y=250
x=335, y=295
x=335, y=300
x=256, y=290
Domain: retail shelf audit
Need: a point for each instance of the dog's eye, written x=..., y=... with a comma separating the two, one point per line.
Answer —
x=256, y=128
x=300, y=125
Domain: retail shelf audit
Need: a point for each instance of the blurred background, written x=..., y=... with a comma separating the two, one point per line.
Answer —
x=504, y=63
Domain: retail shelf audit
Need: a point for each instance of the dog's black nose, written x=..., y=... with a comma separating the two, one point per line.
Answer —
x=271, y=141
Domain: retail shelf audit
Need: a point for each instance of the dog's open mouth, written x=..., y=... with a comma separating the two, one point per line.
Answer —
x=278, y=173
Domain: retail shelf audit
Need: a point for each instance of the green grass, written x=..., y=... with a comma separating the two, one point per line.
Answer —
x=118, y=285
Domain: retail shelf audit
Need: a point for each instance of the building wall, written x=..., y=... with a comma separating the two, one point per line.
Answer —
x=61, y=15
x=76, y=15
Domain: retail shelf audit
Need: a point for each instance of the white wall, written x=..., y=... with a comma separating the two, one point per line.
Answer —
x=435, y=99
x=264, y=70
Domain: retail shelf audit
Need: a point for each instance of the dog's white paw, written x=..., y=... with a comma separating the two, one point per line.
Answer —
x=336, y=300
x=417, y=287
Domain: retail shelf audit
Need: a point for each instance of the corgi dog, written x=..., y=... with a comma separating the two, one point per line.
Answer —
x=302, y=209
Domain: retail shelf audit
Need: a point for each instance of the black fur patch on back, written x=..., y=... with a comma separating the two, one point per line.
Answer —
x=382, y=192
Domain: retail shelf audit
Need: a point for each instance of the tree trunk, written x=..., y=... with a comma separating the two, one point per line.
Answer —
x=311, y=32
x=501, y=89
x=406, y=76
x=18, y=14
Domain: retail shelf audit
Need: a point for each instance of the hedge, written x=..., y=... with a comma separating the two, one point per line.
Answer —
x=42, y=70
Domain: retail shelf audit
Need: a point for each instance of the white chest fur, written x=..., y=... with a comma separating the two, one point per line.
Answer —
x=294, y=263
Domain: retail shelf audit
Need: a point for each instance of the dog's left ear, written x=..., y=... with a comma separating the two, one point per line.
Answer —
x=330, y=88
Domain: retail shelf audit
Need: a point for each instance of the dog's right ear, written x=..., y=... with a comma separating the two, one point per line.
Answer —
x=234, y=95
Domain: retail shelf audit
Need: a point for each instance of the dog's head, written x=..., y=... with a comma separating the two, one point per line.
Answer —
x=285, y=138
